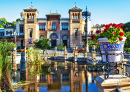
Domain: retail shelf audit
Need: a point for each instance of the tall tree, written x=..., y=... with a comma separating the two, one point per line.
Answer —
x=126, y=27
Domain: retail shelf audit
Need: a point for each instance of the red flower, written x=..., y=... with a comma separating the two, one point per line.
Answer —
x=121, y=39
x=98, y=31
x=121, y=24
x=103, y=25
x=114, y=32
x=121, y=33
x=92, y=37
x=107, y=26
x=110, y=24
x=105, y=30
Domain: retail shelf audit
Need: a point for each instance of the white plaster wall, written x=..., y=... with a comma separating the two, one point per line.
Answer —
x=9, y=30
x=18, y=23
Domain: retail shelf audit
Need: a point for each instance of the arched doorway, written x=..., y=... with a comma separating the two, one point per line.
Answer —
x=65, y=40
x=54, y=38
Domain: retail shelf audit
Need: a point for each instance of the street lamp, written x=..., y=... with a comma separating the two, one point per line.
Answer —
x=15, y=34
x=86, y=14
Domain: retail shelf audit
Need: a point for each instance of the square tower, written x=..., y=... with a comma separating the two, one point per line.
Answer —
x=75, y=15
x=30, y=16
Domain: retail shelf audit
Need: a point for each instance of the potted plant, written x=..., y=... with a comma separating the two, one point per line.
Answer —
x=111, y=41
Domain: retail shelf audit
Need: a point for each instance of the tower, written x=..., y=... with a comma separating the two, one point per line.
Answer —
x=75, y=15
x=30, y=16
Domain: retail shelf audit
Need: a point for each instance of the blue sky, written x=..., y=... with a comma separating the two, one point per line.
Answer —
x=102, y=11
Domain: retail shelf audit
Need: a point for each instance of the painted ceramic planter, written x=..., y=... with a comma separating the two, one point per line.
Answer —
x=113, y=48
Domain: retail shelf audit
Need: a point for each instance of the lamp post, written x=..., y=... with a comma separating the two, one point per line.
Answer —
x=14, y=49
x=15, y=34
x=86, y=14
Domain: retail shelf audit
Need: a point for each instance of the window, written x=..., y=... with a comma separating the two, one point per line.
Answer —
x=31, y=34
x=21, y=29
x=10, y=32
x=64, y=26
x=53, y=26
x=53, y=36
x=76, y=32
x=42, y=26
x=65, y=37
x=6, y=32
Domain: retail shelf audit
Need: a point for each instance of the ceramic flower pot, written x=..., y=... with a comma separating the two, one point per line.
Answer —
x=113, y=48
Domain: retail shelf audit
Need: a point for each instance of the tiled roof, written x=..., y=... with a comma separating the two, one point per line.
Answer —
x=53, y=14
x=75, y=8
x=30, y=8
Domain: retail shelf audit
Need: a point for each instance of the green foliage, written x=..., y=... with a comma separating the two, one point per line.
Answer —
x=126, y=27
x=60, y=46
x=34, y=54
x=18, y=19
x=5, y=65
x=127, y=42
x=92, y=42
x=42, y=43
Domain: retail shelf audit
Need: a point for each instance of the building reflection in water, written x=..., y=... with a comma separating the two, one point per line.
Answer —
x=59, y=74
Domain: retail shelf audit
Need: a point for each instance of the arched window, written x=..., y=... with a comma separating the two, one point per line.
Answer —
x=53, y=26
x=53, y=36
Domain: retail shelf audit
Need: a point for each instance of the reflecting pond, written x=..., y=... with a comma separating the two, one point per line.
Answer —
x=55, y=77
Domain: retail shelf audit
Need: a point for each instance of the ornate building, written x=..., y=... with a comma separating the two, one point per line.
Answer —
x=59, y=30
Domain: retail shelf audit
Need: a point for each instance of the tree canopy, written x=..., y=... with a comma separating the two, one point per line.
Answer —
x=126, y=27
x=42, y=43
x=4, y=23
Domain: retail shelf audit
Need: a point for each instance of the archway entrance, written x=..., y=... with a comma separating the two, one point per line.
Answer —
x=53, y=40
x=65, y=40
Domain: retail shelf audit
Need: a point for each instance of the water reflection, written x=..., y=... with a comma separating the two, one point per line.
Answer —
x=58, y=77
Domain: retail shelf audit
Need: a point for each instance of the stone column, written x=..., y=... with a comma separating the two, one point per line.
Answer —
x=55, y=53
x=124, y=67
x=65, y=52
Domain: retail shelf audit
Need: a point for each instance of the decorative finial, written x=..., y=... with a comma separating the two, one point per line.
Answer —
x=75, y=3
x=31, y=3
x=50, y=11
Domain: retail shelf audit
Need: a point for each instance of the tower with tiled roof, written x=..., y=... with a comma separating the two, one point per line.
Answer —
x=30, y=16
x=75, y=15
